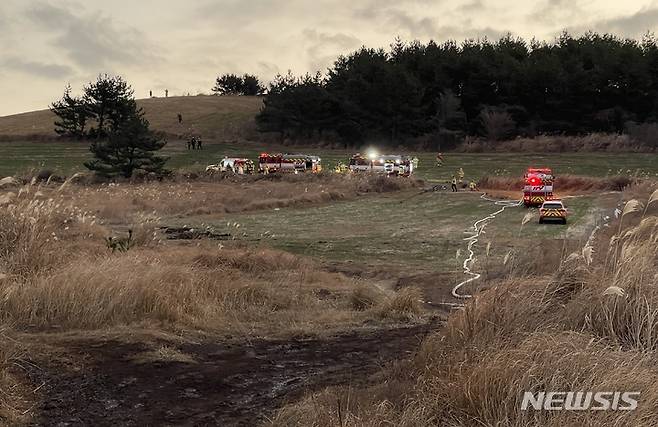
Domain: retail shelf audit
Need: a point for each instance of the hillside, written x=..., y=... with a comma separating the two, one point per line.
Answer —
x=225, y=117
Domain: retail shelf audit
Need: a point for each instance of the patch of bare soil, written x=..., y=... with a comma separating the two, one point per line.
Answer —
x=104, y=382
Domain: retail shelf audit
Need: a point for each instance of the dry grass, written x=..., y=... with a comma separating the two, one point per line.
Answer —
x=558, y=144
x=219, y=290
x=124, y=203
x=8, y=354
x=164, y=353
x=57, y=271
x=565, y=183
x=591, y=326
x=225, y=117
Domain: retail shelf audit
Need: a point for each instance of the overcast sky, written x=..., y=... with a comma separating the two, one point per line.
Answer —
x=182, y=45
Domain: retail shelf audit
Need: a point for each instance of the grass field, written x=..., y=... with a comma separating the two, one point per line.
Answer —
x=223, y=117
x=68, y=157
x=398, y=234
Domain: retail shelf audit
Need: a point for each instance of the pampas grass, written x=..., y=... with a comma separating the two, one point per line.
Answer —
x=614, y=290
x=652, y=198
x=587, y=252
x=527, y=218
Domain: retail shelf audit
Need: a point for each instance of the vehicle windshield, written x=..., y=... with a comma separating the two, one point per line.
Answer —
x=553, y=206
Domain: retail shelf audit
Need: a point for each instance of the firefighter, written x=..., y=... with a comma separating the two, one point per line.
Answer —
x=439, y=160
x=454, y=184
x=472, y=185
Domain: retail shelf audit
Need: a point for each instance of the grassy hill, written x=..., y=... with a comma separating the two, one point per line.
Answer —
x=213, y=117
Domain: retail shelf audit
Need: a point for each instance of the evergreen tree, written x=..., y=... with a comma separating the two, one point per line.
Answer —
x=228, y=84
x=231, y=84
x=130, y=147
x=110, y=102
x=72, y=115
x=574, y=85
x=251, y=86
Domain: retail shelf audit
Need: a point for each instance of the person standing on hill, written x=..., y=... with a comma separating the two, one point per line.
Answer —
x=166, y=93
x=150, y=94
x=180, y=118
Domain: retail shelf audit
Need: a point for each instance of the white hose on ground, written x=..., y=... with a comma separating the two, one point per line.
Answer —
x=478, y=228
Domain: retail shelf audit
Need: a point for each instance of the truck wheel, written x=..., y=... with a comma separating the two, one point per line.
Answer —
x=564, y=221
x=541, y=220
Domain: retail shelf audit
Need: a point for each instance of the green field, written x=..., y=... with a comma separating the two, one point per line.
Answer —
x=67, y=157
x=397, y=232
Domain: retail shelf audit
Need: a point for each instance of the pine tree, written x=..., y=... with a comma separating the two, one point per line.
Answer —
x=130, y=147
x=251, y=86
x=228, y=84
x=110, y=102
x=72, y=115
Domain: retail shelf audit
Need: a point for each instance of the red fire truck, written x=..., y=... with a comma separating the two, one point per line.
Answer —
x=538, y=186
x=295, y=163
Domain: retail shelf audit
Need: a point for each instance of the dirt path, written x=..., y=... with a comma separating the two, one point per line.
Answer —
x=100, y=383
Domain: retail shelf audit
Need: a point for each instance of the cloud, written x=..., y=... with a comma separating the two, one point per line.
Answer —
x=323, y=48
x=633, y=25
x=562, y=11
x=415, y=27
x=239, y=13
x=40, y=69
x=93, y=41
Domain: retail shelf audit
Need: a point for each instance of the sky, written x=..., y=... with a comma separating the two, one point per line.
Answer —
x=182, y=45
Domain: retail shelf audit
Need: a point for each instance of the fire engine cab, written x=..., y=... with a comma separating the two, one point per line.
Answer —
x=294, y=163
x=388, y=164
x=538, y=186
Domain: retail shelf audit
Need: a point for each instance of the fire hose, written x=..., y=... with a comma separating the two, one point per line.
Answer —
x=478, y=228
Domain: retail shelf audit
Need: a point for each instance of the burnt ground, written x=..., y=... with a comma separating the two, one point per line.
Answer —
x=101, y=382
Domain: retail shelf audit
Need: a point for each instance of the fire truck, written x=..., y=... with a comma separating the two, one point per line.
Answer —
x=538, y=186
x=388, y=164
x=293, y=163
x=236, y=165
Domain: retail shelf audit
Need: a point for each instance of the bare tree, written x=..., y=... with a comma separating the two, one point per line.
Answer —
x=498, y=125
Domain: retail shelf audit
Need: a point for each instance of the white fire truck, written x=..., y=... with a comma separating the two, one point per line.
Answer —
x=236, y=165
x=389, y=164
x=293, y=163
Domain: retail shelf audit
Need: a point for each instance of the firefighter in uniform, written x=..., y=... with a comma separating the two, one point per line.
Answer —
x=454, y=184
x=472, y=185
x=439, y=160
x=460, y=174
